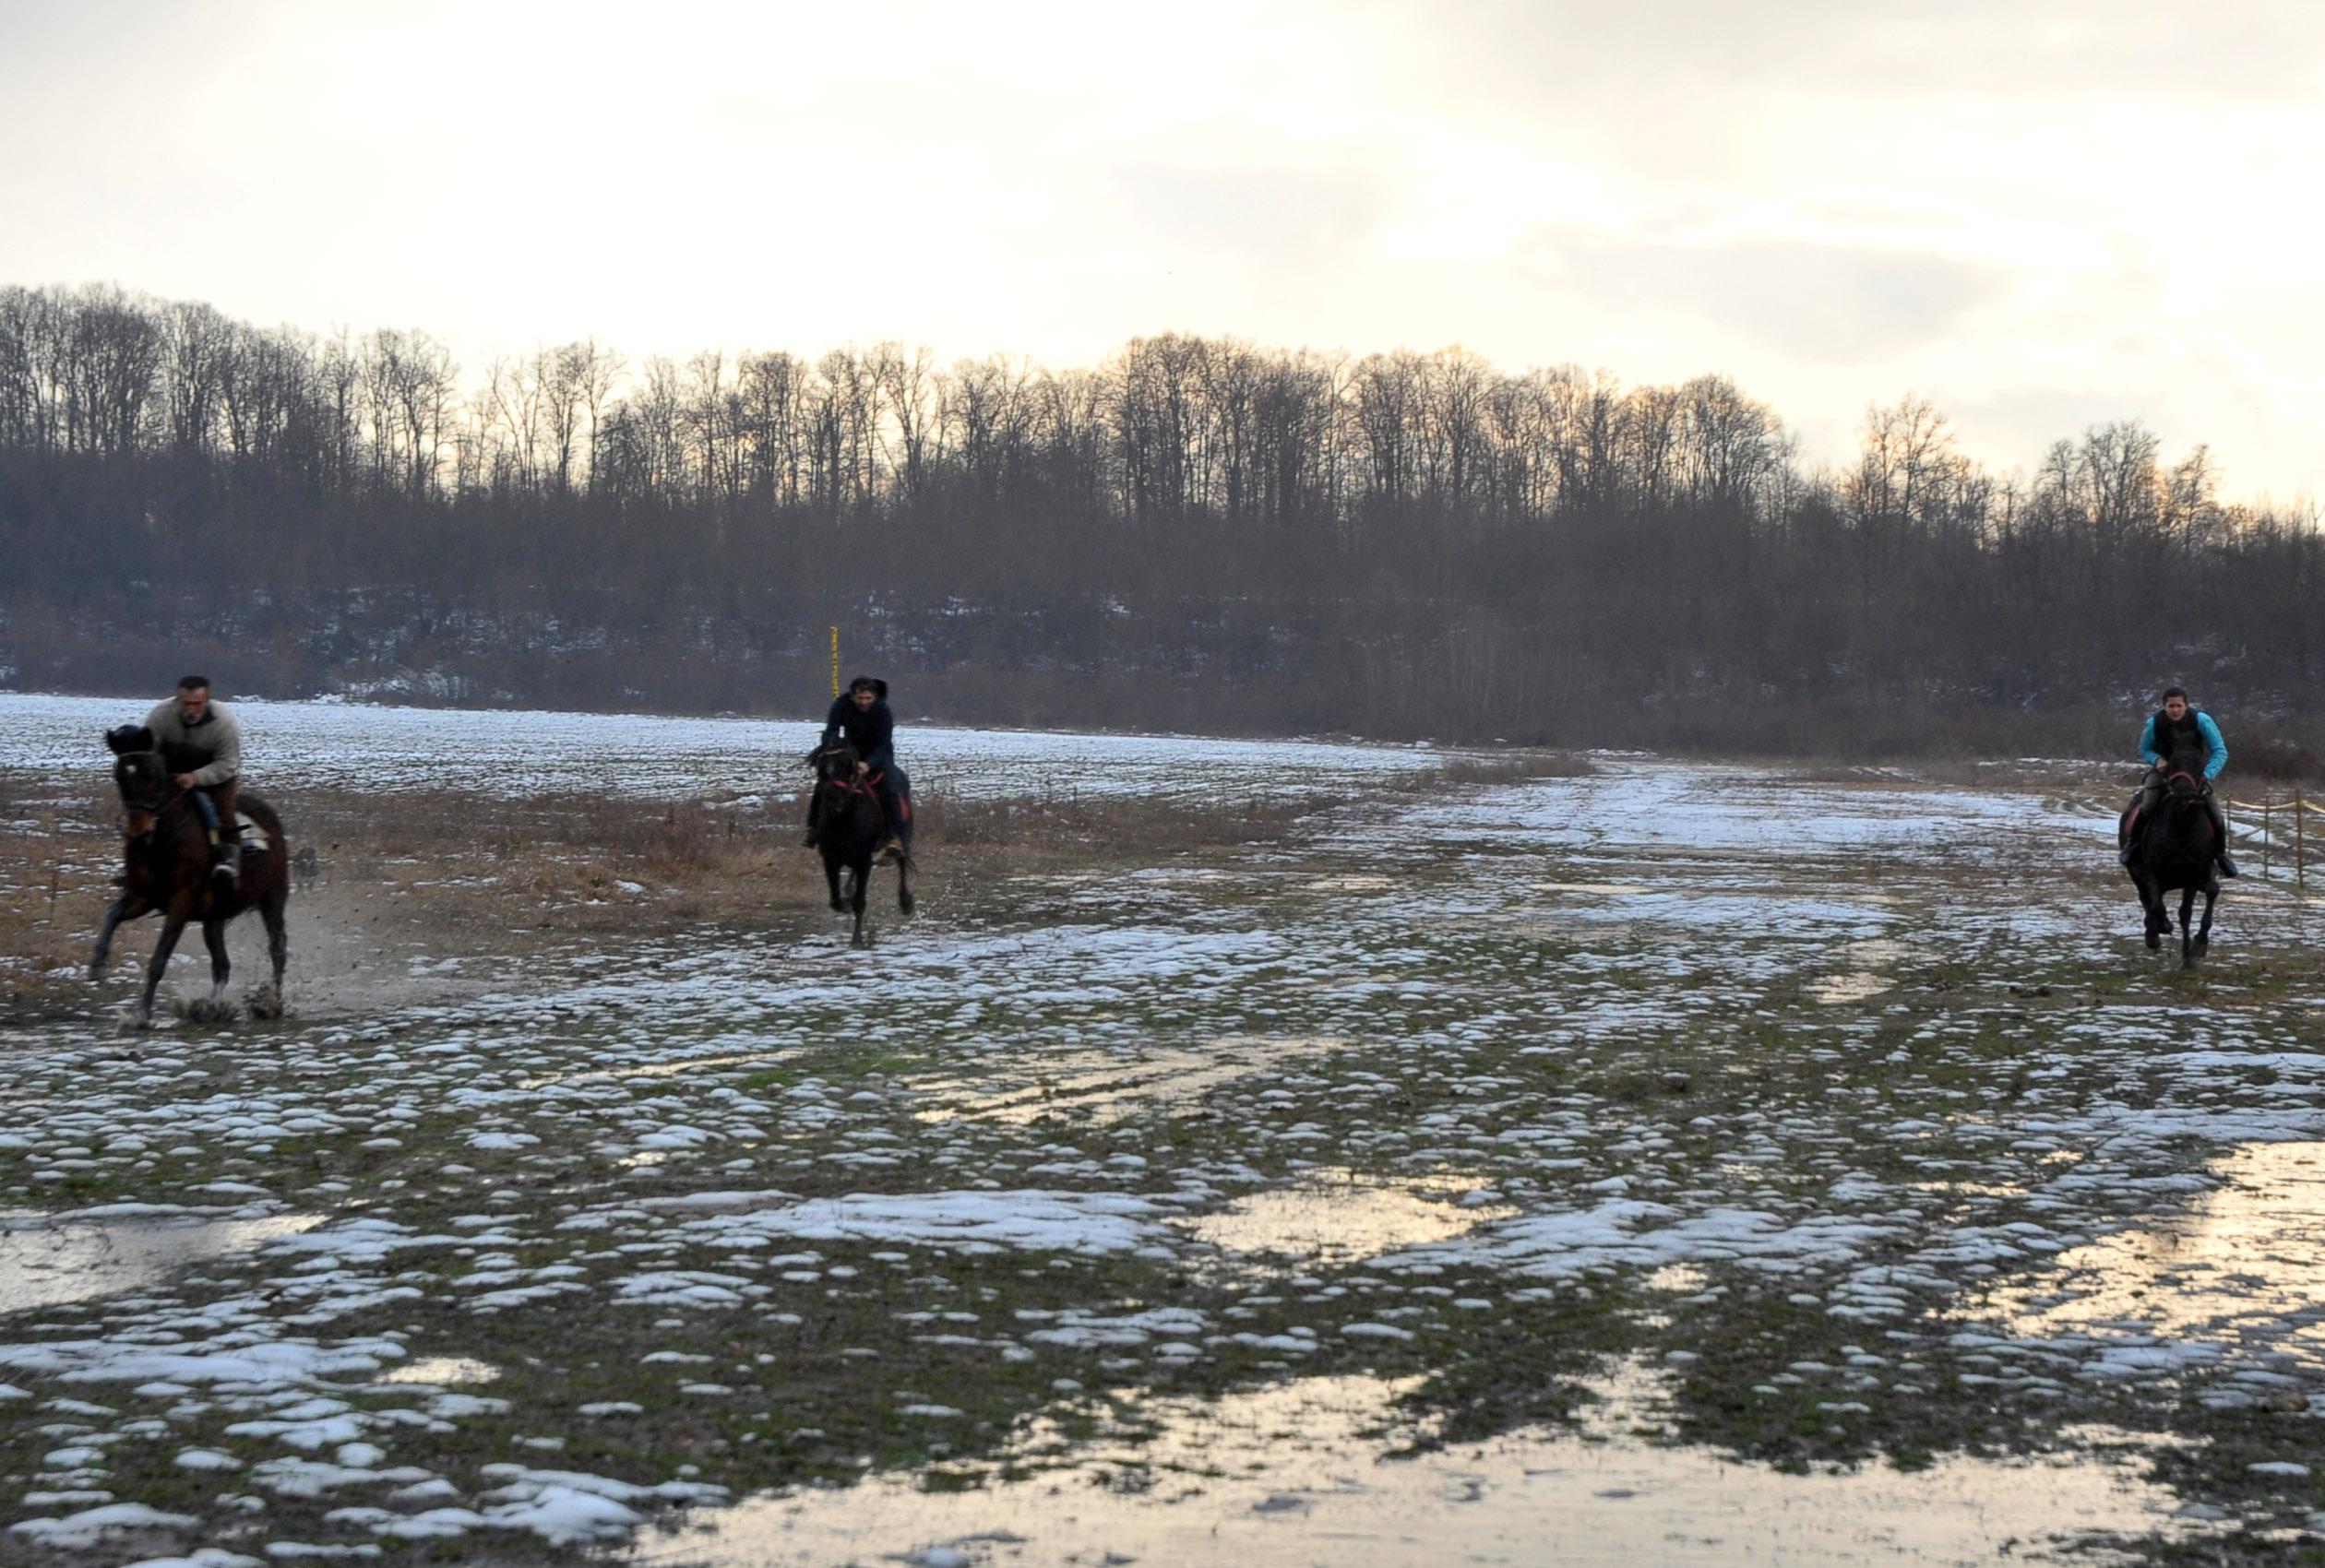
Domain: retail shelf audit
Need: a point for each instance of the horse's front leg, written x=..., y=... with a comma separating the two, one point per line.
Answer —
x=115, y=912
x=2154, y=922
x=861, y=875
x=831, y=879
x=172, y=926
x=2203, y=932
x=904, y=884
x=2188, y=928
x=214, y=938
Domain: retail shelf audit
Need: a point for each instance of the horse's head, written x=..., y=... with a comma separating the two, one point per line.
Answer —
x=139, y=774
x=835, y=764
x=2183, y=776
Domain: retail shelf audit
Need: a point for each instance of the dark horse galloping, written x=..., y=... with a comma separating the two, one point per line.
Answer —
x=850, y=829
x=2177, y=849
x=167, y=867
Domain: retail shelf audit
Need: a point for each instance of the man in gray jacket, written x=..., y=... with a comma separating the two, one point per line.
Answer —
x=201, y=737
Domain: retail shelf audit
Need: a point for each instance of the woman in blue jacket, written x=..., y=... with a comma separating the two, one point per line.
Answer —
x=2177, y=727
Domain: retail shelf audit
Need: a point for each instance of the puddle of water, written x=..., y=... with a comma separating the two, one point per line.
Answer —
x=1110, y=1090
x=1836, y=990
x=45, y=1264
x=1294, y=1473
x=1337, y=1217
x=1353, y=883
x=1611, y=889
x=1864, y=981
x=662, y=1069
x=443, y=1370
x=2246, y=1249
x=1874, y=950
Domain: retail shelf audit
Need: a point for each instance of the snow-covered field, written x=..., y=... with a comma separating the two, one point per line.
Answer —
x=1655, y=1157
x=299, y=744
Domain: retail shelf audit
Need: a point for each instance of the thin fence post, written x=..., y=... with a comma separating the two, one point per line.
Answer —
x=2300, y=867
x=2268, y=839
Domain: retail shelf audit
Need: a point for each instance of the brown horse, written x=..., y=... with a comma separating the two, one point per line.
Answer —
x=849, y=828
x=166, y=868
x=2178, y=852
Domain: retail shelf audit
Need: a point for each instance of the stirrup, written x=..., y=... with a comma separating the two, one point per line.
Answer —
x=893, y=850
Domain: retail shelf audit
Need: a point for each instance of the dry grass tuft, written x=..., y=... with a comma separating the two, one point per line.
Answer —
x=1512, y=768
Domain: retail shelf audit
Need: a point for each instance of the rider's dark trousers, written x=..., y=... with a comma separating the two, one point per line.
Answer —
x=893, y=788
x=215, y=802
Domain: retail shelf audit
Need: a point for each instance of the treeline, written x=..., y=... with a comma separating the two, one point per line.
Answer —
x=1195, y=531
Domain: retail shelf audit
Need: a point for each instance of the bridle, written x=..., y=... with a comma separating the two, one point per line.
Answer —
x=848, y=783
x=142, y=809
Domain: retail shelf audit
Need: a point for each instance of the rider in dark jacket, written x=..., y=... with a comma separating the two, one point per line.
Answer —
x=2174, y=729
x=861, y=718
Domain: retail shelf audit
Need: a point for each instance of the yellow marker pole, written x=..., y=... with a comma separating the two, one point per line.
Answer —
x=835, y=661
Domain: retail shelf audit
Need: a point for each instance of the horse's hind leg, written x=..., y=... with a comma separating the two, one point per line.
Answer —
x=904, y=886
x=214, y=938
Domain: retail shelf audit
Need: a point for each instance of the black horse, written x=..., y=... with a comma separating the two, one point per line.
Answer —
x=2177, y=849
x=850, y=829
x=166, y=868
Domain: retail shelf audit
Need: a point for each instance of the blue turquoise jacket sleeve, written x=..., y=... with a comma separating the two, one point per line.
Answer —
x=2146, y=744
x=2215, y=749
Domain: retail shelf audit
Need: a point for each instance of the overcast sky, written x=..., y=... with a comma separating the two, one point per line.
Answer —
x=2038, y=215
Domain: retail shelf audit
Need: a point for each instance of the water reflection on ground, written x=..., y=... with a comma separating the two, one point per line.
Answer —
x=45, y=1263
x=1337, y=1217
x=1291, y=1474
x=2246, y=1252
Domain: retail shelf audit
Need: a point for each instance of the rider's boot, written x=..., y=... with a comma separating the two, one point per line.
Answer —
x=2227, y=866
x=2130, y=848
x=893, y=850
x=226, y=860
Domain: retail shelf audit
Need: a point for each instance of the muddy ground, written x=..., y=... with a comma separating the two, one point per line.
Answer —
x=1775, y=1169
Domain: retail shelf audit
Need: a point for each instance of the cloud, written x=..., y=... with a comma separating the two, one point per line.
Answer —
x=1662, y=50
x=1825, y=303
x=1271, y=216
